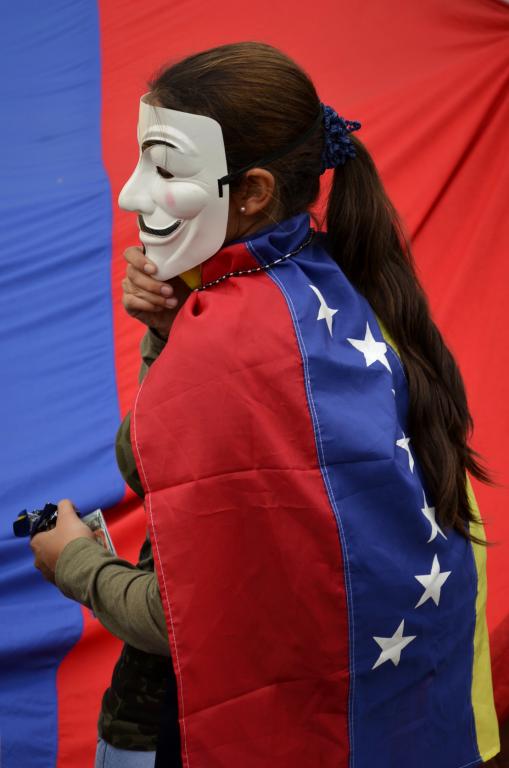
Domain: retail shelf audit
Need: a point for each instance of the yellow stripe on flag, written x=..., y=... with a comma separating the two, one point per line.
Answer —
x=486, y=724
x=192, y=278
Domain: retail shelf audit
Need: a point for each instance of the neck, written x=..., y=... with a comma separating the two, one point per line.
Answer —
x=242, y=226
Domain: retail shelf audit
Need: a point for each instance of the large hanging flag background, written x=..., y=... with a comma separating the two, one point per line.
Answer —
x=428, y=81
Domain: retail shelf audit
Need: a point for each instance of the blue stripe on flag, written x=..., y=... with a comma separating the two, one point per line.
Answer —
x=58, y=390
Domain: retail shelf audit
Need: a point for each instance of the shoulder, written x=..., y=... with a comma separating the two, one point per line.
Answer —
x=242, y=321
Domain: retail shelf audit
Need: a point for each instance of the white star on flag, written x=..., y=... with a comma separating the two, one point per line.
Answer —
x=392, y=646
x=432, y=583
x=429, y=514
x=325, y=312
x=371, y=349
x=403, y=443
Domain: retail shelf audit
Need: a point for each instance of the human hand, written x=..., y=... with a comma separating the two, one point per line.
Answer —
x=49, y=545
x=152, y=302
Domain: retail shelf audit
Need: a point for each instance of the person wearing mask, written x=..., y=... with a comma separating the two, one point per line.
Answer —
x=312, y=590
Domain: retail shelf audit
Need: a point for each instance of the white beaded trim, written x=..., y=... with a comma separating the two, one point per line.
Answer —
x=253, y=270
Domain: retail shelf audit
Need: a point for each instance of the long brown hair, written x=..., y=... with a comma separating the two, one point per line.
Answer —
x=264, y=101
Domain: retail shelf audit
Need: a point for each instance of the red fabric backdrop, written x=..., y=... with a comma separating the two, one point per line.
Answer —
x=429, y=82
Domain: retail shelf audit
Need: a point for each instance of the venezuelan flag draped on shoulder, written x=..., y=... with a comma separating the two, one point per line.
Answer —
x=318, y=614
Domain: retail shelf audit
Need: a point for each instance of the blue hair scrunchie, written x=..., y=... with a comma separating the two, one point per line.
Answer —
x=337, y=145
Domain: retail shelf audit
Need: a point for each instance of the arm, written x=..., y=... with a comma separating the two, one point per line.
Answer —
x=125, y=599
x=151, y=347
x=152, y=344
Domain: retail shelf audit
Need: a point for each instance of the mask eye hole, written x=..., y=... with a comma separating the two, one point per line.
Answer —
x=164, y=173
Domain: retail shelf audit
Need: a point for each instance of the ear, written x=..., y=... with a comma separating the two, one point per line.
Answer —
x=256, y=191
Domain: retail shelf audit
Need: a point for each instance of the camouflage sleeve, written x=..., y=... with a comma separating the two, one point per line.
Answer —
x=125, y=458
x=124, y=598
x=151, y=347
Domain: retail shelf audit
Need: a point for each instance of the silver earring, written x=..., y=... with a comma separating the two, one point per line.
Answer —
x=242, y=208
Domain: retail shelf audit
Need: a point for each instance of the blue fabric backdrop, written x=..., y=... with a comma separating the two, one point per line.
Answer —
x=58, y=390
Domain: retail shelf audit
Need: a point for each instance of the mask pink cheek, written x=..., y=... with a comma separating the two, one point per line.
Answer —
x=186, y=200
x=170, y=200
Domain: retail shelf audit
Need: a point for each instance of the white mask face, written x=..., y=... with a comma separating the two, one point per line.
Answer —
x=174, y=188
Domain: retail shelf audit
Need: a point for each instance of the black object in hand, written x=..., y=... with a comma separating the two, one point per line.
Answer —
x=30, y=523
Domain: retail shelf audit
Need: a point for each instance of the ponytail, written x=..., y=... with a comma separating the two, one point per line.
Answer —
x=367, y=241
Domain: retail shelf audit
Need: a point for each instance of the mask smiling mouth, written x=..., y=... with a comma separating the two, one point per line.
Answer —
x=158, y=232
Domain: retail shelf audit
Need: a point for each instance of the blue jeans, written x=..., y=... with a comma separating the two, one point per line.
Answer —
x=107, y=756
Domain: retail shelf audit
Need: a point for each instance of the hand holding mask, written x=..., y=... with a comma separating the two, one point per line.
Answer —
x=152, y=302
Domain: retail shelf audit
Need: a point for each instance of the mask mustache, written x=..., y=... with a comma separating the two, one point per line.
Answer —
x=158, y=232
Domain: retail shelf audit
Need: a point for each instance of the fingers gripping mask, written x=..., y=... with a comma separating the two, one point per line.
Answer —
x=174, y=188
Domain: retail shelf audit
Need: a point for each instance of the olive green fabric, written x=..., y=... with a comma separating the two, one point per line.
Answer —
x=131, y=707
x=125, y=458
x=127, y=601
x=125, y=598
x=151, y=347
